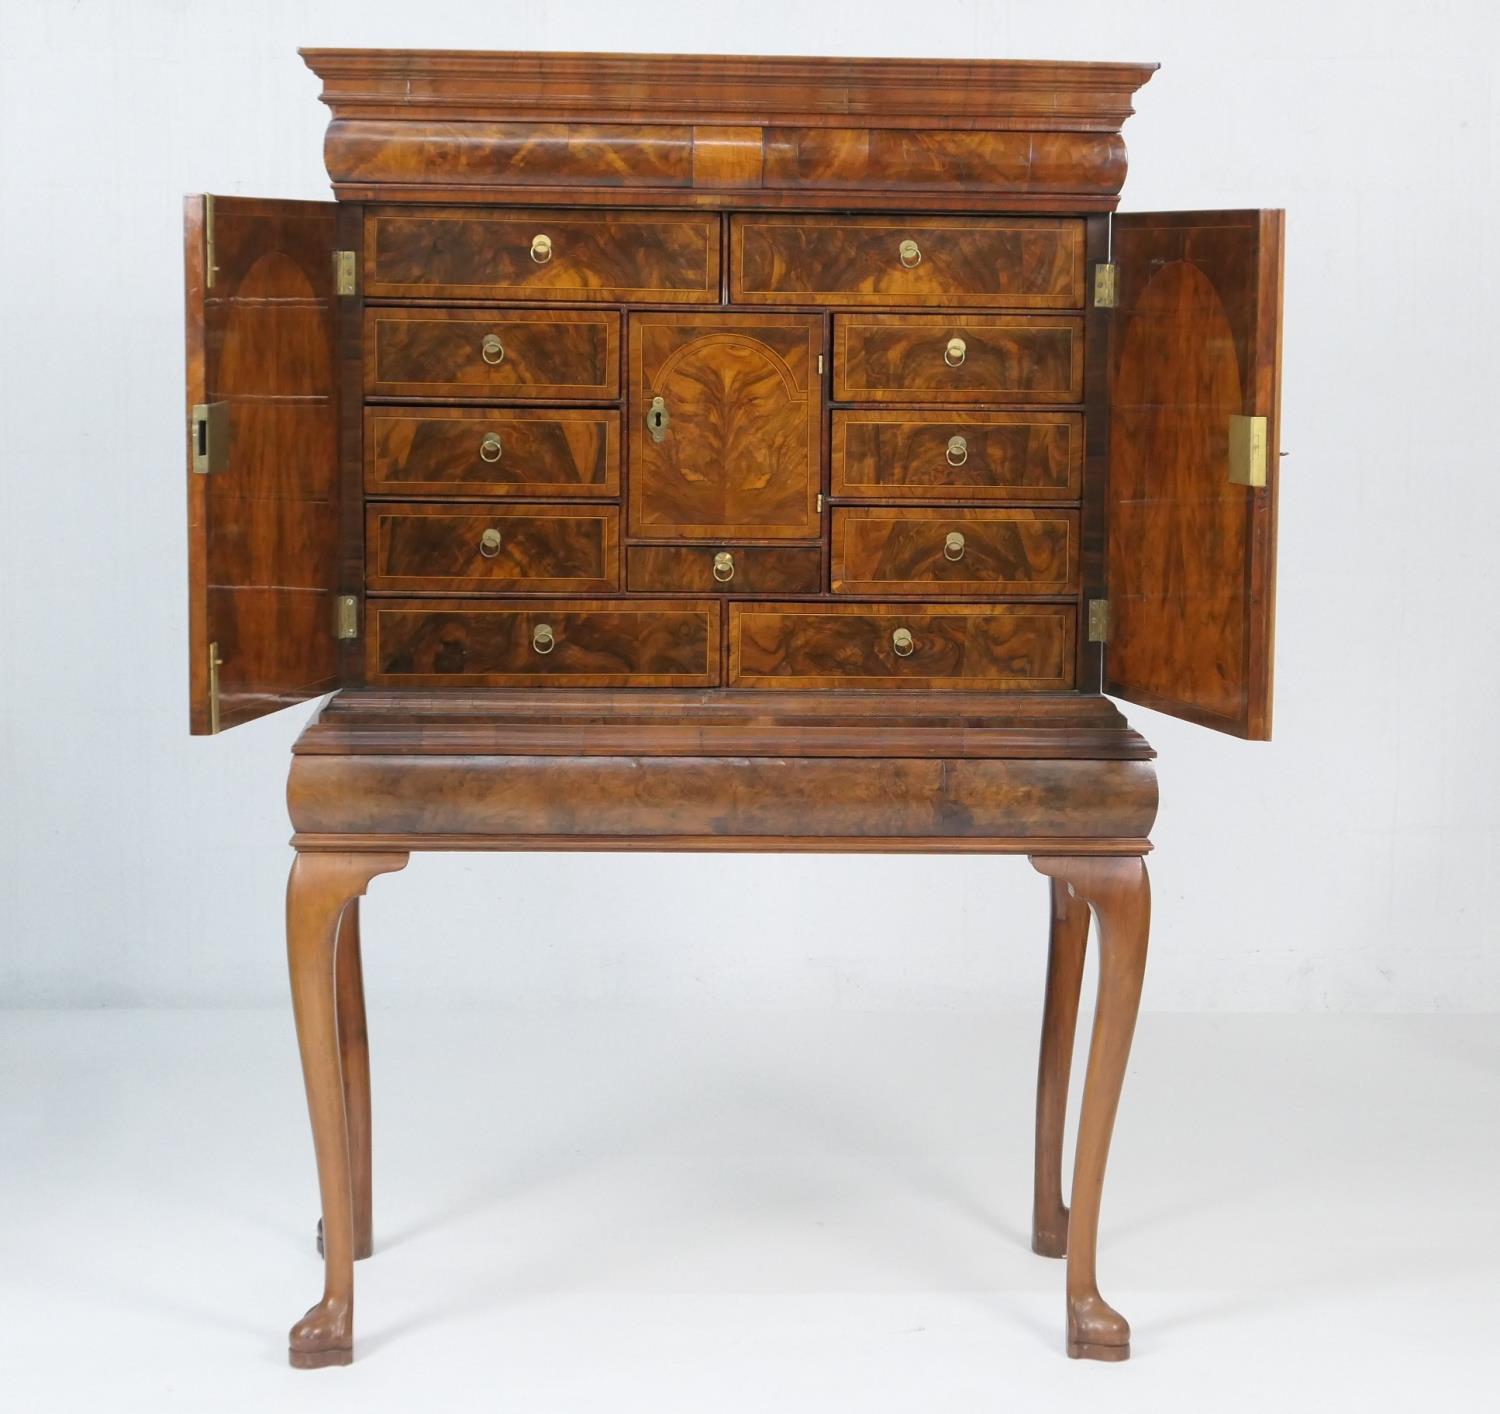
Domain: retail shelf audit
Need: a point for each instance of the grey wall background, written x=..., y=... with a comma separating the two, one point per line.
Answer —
x=1339, y=868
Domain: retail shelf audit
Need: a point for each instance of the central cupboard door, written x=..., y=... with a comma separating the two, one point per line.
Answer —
x=725, y=426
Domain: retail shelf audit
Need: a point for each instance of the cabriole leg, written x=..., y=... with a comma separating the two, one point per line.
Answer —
x=1119, y=893
x=1065, y=951
x=319, y=890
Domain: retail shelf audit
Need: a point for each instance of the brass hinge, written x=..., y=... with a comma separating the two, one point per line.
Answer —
x=820, y=365
x=1106, y=284
x=1247, y=450
x=214, y=664
x=820, y=503
x=1098, y=620
x=346, y=616
x=210, y=434
x=210, y=265
x=344, y=272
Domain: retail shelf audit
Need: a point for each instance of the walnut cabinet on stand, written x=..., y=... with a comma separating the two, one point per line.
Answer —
x=692, y=453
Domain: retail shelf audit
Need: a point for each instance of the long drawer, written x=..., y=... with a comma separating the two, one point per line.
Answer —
x=414, y=548
x=1014, y=647
x=957, y=358
x=542, y=254
x=573, y=452
x=887, y=454
x=493, y=354
x=542, y=643
x=985, y=262
x=918, y=550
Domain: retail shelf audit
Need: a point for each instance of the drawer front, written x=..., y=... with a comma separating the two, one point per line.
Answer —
x=992, y=262
x=723, y=569
x=502, y=353
x=571, y=452
x=523, y=549
x=1013, y=647
x=911, y=550
x=884, y=358
x=645, y=256
x=972, y=456
x=568, y=643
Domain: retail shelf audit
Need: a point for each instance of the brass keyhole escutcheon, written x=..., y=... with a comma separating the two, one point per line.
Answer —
x=958, y=451
x=903, y=643
x=489, y=543
x=542, y=640
x=658, y=419
x=491, y=448
x=910, y=253
x=492, y=350
x=953, y=546
x=723, y=567
x=541, y=249
x=956, y=352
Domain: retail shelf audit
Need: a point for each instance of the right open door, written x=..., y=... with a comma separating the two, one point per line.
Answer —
x=1194, y=381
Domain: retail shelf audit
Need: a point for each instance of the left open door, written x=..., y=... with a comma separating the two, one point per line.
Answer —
x=263, y=456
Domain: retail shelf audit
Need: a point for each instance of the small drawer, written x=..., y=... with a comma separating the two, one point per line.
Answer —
x=886, y=455
x=723, y=569
x=563, y=643
x=1003, y=262
x=545, y=254
x=975, y=358
x=1012, y=647
x=912, y=550
x=415, y=549
x=572, y=452
x=495, y=354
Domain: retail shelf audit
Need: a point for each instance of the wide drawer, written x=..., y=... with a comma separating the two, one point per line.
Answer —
x=568, y=643
x=497, y=354
x=912, y=550
x=571, y=452
x=994, y=262
x=523, y=549
x=724, y=569
x=1012, y=647
x=982, y=358
x=542, y=254
x=884, y=454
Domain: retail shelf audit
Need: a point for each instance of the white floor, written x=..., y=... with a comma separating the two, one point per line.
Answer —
x=797, y=1211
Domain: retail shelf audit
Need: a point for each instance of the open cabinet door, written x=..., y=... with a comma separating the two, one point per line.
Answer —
x=1194, y=377
x=263, y=514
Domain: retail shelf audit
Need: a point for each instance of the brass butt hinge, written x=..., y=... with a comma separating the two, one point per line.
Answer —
x=1098, y=620
x=209, y=431
x=214, y=664
x=344, y=272
x=1106, y=285
x=820, y=365
x=820, y=503
x=210, y=264
x=1247, y=450
x=346, y=616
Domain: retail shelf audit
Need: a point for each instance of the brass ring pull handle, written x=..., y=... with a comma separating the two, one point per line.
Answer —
x=723, y=567
x=541, y=249
x=955, y=353
x=910, y=253
x=489, y=543
x=542, y=640
x=953, y=546
x=902, y=642
x=491, y=449
x=958, y=451
x=492, y=350
x=658, y=419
